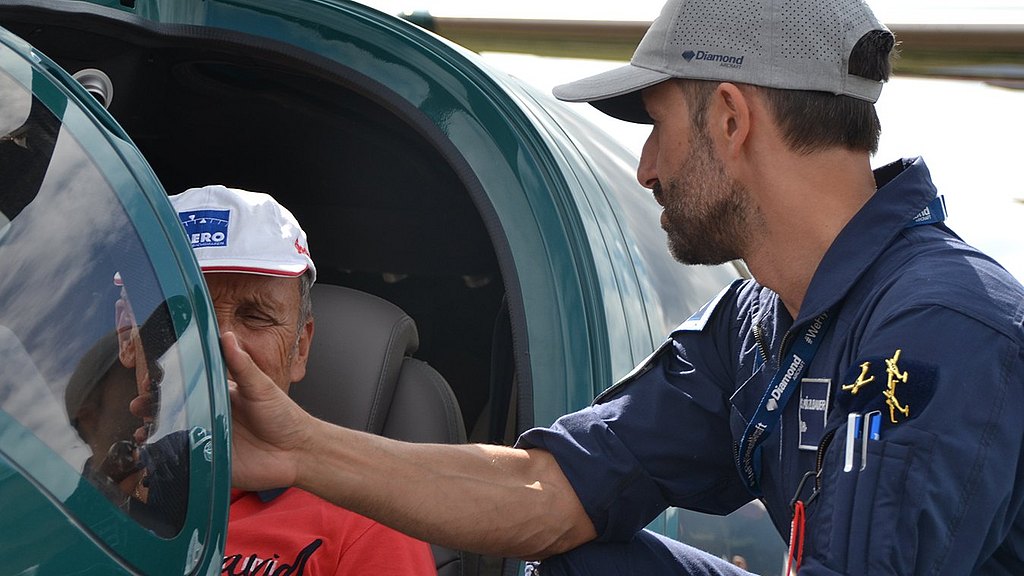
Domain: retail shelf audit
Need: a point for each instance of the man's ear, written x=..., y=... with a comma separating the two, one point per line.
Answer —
x=729, y=119
x=302, y=346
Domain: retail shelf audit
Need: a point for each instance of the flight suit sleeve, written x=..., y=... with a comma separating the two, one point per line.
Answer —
x=661, y=439
x=937, y=491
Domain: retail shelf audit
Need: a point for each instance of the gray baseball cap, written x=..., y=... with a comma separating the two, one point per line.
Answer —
x=786, y=44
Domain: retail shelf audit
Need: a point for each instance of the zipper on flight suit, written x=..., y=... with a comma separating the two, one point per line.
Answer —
x=758, y=331
x=816, y=473
x=819, y=460
x=759, y=340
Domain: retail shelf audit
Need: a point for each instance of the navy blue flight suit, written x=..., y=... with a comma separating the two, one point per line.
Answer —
x=924, y=329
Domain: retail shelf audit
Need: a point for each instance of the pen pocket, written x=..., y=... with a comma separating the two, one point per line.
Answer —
x=884, y=472
x=866, y=513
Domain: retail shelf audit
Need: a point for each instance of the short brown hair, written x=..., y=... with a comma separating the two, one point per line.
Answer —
x=812, y=120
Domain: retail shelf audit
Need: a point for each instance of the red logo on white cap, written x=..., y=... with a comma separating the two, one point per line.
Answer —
x=300, y=248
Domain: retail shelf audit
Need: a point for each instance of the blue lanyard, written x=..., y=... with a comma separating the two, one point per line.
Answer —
x=790, y=372
x=775, y=398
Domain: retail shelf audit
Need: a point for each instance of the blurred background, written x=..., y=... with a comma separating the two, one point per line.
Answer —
x=968, y=130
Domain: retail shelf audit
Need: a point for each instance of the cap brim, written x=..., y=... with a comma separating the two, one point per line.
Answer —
x=615, y=92
x=273, y=269
x=259, y=269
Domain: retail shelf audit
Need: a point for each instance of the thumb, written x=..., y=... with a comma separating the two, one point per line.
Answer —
x=251, y=382
x=267, y=427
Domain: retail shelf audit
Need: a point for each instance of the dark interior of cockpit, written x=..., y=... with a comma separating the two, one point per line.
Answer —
x=386, y=208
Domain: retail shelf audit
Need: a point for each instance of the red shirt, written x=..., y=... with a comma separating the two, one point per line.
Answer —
x=294, y=533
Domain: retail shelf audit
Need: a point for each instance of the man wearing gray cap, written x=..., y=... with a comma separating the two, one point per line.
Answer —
x=865, y=385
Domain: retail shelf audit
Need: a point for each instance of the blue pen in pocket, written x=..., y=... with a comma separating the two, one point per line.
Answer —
x=871, y=433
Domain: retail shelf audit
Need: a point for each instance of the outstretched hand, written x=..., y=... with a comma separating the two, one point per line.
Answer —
x=268, y=428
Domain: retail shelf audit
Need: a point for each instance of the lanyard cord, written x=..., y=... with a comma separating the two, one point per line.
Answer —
x=775, y=398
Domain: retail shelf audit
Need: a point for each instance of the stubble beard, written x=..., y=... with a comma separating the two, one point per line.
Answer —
x=707, y=214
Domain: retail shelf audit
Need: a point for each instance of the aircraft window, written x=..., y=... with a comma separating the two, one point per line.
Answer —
x=14, y=146
x=85, y=330
x=17, y=103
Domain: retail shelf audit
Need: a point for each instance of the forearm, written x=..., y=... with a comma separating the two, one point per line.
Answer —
x=484, y=498
x=488, y=499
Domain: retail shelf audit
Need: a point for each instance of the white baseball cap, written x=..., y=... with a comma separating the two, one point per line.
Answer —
x=234, y=230
x=785, y=44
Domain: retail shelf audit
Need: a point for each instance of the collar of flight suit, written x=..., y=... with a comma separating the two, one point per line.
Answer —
x=904, y=190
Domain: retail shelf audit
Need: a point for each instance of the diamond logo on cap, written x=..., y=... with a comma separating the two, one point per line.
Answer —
x=688, y=55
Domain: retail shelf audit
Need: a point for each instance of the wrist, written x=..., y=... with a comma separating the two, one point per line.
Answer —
x=309, y=450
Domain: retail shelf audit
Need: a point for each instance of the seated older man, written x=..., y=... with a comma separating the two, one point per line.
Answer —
x=257, y=265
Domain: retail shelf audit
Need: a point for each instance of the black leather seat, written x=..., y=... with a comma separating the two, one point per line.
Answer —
x=361, y=375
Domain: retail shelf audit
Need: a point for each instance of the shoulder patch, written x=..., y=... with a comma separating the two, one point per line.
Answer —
x=699, y=320
x=898, y=387
x=642, y=368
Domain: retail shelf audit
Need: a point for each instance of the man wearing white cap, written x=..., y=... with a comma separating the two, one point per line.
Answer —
x=865, y=385
x=257, y=266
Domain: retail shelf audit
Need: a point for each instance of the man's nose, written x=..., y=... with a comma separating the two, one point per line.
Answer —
x=646, y=170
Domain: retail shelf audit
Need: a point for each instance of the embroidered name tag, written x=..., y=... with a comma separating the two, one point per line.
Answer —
x=815, y=394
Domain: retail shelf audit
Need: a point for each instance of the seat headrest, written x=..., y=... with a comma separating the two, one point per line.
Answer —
x=359, y=343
